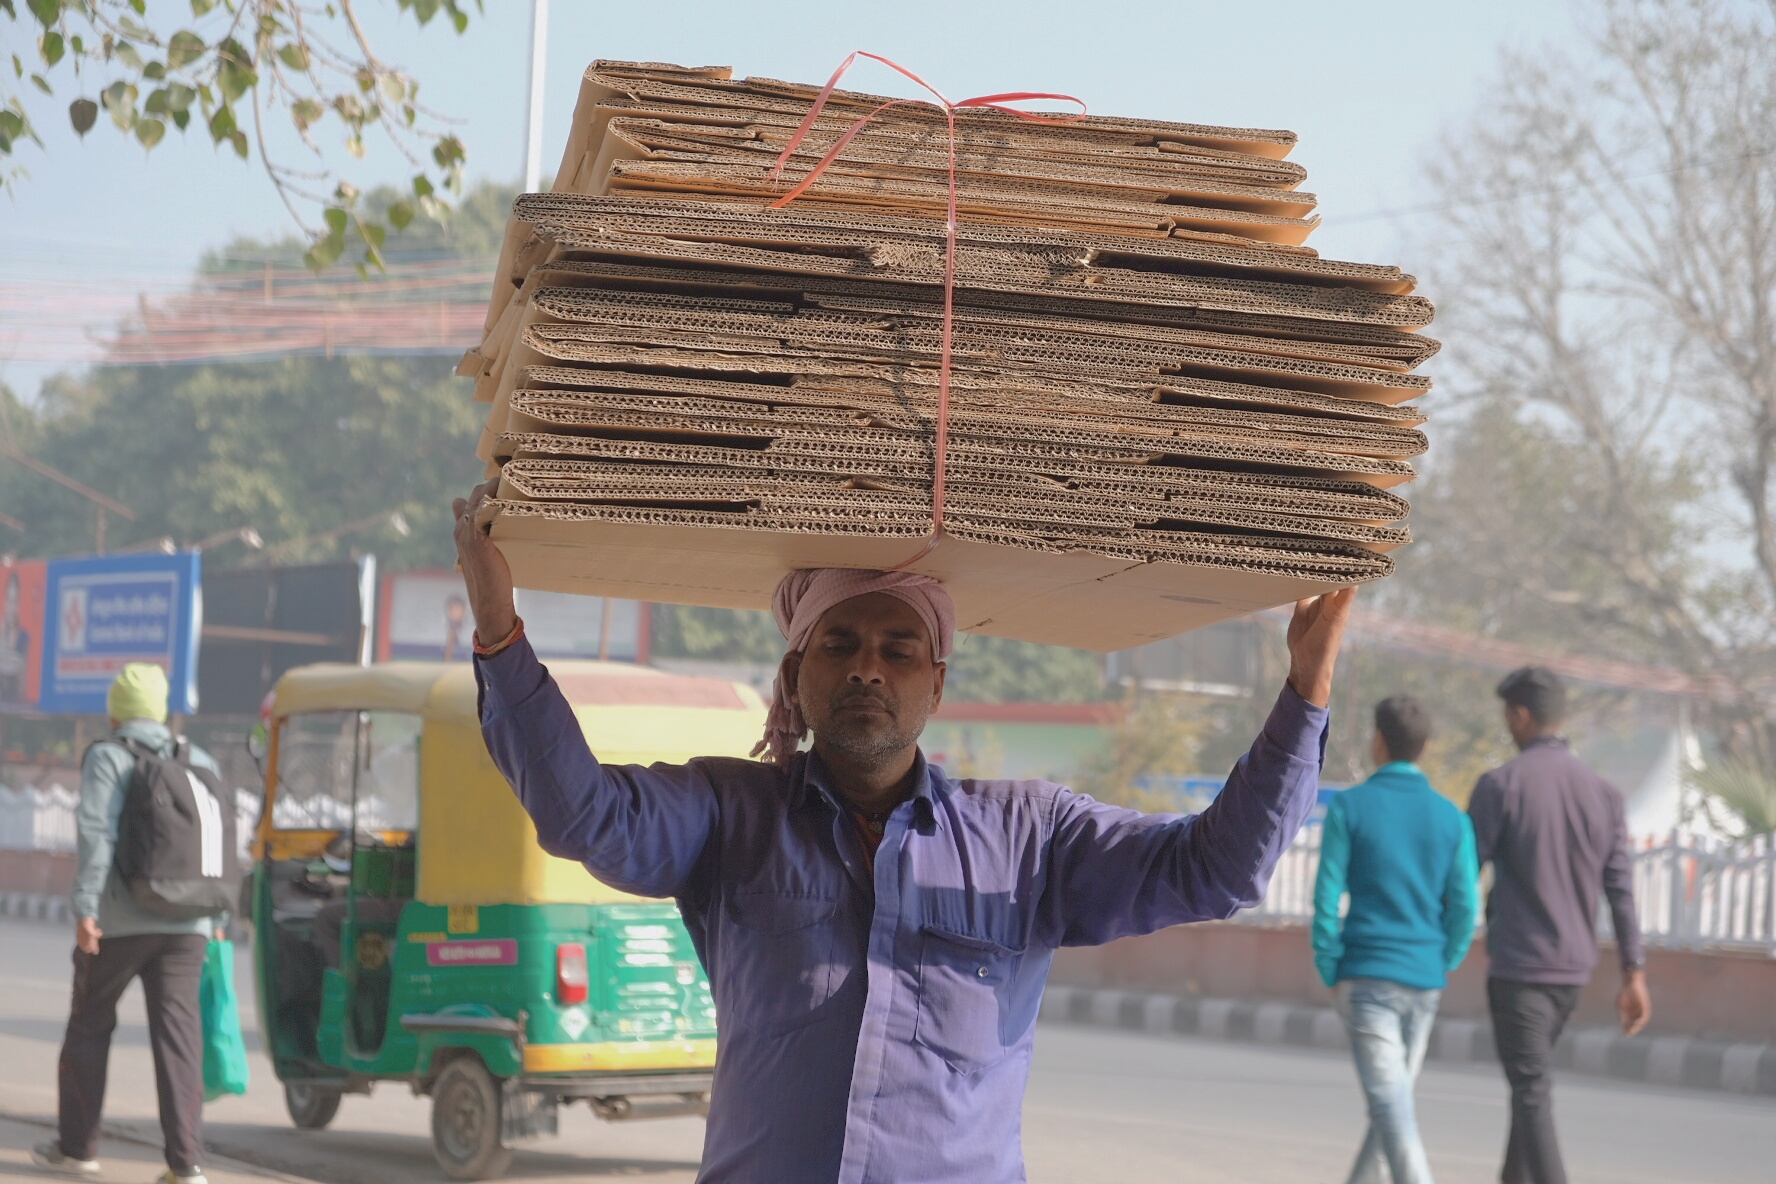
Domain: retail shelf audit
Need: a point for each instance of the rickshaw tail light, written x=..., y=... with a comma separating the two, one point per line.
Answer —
x=571, y=977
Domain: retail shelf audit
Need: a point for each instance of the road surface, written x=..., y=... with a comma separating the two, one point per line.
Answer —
x=1103, y=1108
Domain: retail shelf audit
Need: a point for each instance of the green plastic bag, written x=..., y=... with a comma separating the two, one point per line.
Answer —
x=225, y=1053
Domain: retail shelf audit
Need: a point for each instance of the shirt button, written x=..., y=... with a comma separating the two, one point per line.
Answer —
x=981, y=973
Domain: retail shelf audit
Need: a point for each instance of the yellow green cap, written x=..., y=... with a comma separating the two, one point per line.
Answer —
x=138, y=692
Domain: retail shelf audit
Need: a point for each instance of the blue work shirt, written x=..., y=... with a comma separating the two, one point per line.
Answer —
x=878, y=1027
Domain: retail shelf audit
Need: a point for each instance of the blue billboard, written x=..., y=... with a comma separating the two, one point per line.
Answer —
x=106, y=611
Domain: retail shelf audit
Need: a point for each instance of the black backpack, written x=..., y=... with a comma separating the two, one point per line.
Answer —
x=175, y=836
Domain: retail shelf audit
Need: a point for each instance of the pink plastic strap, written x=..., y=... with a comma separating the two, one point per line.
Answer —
x=995, y=102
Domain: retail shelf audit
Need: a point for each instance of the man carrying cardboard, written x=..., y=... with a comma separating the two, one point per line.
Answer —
x=117, y=940
x=876, y=934
x=1405, y=854
x=1555, y=833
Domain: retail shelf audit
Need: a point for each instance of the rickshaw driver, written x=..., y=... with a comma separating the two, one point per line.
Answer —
x=876, y=934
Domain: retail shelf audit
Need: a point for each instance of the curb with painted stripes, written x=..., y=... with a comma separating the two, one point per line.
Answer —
x=1661, y=1060
x=36, y=906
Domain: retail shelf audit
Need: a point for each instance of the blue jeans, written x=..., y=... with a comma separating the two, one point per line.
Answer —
x=1390, y=1026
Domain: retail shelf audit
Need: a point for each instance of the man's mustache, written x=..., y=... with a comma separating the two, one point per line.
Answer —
x=852, y=698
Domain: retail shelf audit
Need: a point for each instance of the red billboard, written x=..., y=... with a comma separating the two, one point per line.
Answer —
x=21, y=633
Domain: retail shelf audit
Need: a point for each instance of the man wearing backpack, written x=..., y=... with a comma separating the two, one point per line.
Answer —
x=148, y=925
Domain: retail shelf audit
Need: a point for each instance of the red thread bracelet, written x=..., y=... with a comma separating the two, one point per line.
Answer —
x=488, y=651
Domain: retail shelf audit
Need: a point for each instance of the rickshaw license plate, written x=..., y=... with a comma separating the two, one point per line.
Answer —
x=501, y=951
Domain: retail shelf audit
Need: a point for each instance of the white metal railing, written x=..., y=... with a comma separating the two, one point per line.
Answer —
x=33, y=819
x=1695, y=891
x=1691, y=891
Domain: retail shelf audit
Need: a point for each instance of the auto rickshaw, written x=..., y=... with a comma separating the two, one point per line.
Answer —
x=408, y=926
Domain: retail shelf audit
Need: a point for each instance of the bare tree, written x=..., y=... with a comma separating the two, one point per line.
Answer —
x=1607, y=264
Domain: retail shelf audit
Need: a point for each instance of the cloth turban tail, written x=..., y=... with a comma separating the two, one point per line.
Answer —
x=803, y=597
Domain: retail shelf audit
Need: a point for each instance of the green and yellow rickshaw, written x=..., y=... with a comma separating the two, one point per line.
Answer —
x=408, y=926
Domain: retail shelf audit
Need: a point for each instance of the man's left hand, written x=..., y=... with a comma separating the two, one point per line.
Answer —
x=1314, y=635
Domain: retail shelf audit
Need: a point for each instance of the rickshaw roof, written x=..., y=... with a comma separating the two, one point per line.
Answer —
x=446, y=691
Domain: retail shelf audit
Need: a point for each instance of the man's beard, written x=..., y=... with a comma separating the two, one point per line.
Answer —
x=863, y=737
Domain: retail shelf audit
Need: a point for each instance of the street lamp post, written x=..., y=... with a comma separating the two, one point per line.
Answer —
x=533, y=114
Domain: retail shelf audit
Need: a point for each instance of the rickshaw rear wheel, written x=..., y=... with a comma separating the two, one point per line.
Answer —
x=311, y=1107
x=466, y=1122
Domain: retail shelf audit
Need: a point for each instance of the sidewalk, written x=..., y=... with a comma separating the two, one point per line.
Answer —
x=126, y=1158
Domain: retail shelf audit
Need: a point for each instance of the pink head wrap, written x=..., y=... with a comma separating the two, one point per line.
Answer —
x=803, y=597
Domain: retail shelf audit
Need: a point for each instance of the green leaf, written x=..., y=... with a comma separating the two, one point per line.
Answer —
x=155, y=71
x=400, y=215
x=6, y=6
x=460, y=19
x=181, y=119
x=12, y=125
x=77, y=44
x=202, y=7
x=337, y=219
x=293, y=55
x=355, y=146
x=150, y=131
x=222, y=124
x=184, y=48
x=239, y=140
x=46, y=11
x=178, y=98
x=448, y=151
x=326, y=250
x=120, y=100
x=52, y=47
x=425, y=10
x=18, y=65
x=83, y=113
x=156, y=103
x=141, y=7
x=305, y=112
x=393, y=88
x=126, y=53
x=42, y=84
x=373, y=233
x=234, y=70
x=422, y=186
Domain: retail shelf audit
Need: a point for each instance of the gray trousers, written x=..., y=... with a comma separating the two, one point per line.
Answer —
x=170, y=966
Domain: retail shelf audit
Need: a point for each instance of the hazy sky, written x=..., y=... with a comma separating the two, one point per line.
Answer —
x=1367, y=84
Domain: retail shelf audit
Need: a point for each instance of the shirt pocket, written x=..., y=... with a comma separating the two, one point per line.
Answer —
x=966, y=995
x=779, y=965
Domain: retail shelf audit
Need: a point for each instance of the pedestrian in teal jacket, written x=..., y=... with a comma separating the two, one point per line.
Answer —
x=1405, y=856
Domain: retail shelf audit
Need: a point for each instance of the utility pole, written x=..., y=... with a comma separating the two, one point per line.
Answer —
x=100, y=502
x=533, y=116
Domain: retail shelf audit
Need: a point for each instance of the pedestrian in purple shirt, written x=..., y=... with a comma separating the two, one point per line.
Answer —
x=1556, y=835
x=876, y=934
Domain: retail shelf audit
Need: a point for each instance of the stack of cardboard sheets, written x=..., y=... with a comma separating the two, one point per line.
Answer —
x=1164, y=410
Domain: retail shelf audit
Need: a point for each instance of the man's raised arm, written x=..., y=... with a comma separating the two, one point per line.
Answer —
x=640, y=830
x=1115, y=872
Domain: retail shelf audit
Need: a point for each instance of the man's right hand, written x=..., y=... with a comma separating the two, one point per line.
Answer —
x=87, y=934
x=484, y=570
x=1634, y=1005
